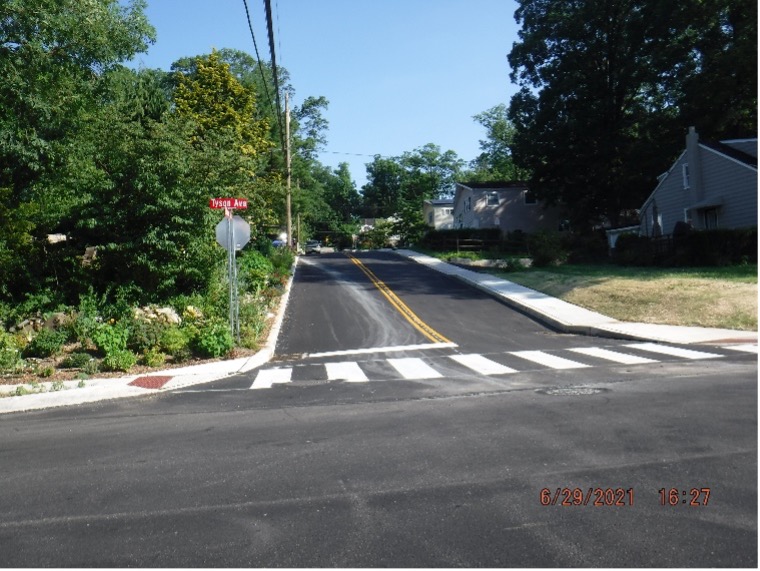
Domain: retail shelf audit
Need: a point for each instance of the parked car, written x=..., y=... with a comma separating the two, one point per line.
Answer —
x=313, y=247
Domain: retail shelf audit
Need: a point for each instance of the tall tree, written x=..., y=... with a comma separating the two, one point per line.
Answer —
x=720, y=97
x=52, y=58
x=382, y=193
x=600, y=109
x=397, y=186
x=411, y=178
x=495, y=161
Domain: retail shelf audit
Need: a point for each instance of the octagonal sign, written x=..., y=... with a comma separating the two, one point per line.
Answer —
x=240, y=228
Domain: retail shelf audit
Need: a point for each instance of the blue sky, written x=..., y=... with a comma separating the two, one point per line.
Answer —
x=398, y=73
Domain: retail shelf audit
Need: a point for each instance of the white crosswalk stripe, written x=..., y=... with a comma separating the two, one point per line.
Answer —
x=673, y=351
x=481, y=365
x=349, y=371
x=549, y=360
x=745, y=348
x=413, y=368
x=266, y=378
x=612, y=355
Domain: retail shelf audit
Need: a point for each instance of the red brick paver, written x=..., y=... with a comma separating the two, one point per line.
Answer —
x=147, y=382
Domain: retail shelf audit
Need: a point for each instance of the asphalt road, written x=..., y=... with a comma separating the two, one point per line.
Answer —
x=437, y=471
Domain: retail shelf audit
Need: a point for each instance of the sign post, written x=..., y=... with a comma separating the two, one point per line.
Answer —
x=232, y=234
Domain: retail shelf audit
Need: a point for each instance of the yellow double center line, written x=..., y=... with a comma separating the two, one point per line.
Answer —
x=400, y=306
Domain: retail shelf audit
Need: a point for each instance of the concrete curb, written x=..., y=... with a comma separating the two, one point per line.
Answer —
x=569, y=318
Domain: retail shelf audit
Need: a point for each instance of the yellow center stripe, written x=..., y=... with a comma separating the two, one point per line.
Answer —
x=400, y=306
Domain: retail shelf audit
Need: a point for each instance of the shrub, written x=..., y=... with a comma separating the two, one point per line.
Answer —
x=213, y=340
x=634, y=250
x=10, y=355
x=282, y=262
x=255, y=270
x=76, y=361
x=174, y=340
x=91, y=368
x=45, y=344
x=153, y=358
x=119, y=360
x=46, y=372
x=145, y=334
x=546, y=249
x=110, y=338
x=252, y=323
x=87, y=319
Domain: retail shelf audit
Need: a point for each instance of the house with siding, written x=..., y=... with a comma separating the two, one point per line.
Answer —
x=509, y=206
x=438, y=213
x=711, y=185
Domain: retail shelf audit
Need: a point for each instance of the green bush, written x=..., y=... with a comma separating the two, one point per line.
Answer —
x=721, y=247
x=110, y=338
x=282, y=262
x=153, y=358
x=10, y=355
x=46, y=372
x=145, y=334
x=45, y=344
x=634, y=250
x=91, y=367
x=213, y=340
x=174, y=340
x=76, y=361
x=119, y=360
x=254, y=270
x=546, y=249
x=87, y=319
x=252, y=323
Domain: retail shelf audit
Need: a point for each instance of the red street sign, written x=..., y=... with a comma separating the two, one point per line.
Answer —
x=218, y=203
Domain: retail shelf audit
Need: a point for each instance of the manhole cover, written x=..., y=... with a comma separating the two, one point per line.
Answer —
x=572, y=391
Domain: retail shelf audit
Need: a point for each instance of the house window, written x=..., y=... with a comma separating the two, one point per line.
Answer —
x=685, y=174
x=710, y=217
x=430, y=217
x=530, y=198
x=468, y=204
x=492, y=199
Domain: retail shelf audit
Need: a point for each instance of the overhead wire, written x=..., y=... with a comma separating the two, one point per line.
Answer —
x=270, y=30
x=258, y=58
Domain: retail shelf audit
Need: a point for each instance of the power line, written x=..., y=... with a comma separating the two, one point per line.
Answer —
x=270, y=30
x=258, y=58
x=356, y=154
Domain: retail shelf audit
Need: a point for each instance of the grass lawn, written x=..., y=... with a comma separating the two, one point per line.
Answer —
x=705, y=297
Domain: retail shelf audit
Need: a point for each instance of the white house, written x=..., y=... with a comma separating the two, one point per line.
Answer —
x=509, y=206
x=439, y=213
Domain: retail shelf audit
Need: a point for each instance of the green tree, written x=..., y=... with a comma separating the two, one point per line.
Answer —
x=382, y=193
x=143, y=201
x=219, y=103
x=720, y=96
x=397, y=186
x=52, y=58
x=495, y=162
x=601, y=109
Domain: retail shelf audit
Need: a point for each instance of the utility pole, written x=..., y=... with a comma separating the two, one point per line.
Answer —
x=287, y=168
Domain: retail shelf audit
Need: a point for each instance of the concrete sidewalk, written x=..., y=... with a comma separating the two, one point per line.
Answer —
x=553, y=312
x=570, y=318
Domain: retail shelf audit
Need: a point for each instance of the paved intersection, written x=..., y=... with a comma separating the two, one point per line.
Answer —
x=455, y=365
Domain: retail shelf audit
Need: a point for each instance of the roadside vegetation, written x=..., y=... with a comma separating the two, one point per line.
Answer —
x=704, y=297
x=724, y=296
x=101, y=338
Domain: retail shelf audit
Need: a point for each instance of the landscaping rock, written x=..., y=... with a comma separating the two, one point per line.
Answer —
x=151, y=313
